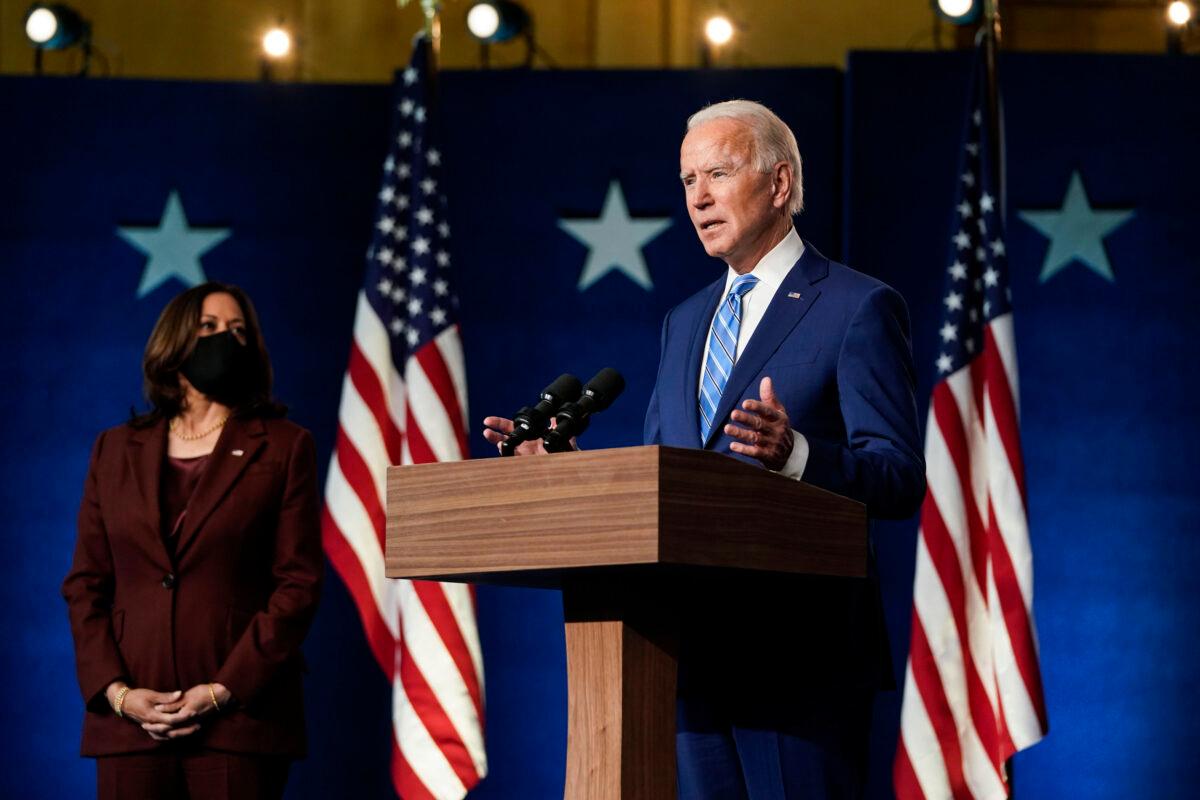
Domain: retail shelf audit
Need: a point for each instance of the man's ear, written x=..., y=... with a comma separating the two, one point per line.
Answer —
x=781, y=184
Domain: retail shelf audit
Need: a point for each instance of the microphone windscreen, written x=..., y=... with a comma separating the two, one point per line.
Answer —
x=565, y=388
x=605, y=386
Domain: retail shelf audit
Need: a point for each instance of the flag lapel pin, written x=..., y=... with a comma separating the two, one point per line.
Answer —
x=239, y=453
x=794, y=295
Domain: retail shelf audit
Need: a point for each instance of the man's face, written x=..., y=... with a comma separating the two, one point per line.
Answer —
x=732, y=204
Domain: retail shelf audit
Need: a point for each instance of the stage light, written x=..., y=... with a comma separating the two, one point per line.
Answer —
x=41, y=25
x=960, y=12
x=954, y=8
x=483, y=20
x=55, y=26
x=718, y=30
x=497, y=21
x=277, y=43
x=1179, y=13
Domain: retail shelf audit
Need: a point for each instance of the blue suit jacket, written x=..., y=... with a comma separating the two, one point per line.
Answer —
x=836, y=344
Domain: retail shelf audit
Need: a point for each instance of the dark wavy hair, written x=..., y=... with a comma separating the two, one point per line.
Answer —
x=172, y=341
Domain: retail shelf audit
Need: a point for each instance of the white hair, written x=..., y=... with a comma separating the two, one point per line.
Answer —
x=771, y=141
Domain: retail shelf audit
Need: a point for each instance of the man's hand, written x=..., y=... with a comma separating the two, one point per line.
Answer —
x=498, y=429
x=764, y=431
x=182, y=716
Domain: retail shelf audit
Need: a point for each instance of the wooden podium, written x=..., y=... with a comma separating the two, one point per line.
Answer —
x=618, y=531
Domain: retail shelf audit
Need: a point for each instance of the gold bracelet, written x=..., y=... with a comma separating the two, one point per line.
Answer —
x=213, y=694
x=124, y=690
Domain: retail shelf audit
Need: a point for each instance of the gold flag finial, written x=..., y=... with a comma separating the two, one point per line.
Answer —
x=430, y=9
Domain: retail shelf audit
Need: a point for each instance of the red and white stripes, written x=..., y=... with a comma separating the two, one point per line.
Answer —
x=423, y=634
x=973, y=692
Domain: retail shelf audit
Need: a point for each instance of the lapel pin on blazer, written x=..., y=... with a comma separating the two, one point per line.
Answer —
x=239, y=452
x=794, y=295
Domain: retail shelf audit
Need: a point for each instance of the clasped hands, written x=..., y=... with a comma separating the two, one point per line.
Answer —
x=763, y=430
x=169, y=715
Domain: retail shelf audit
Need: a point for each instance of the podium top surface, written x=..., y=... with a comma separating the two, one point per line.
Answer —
x=534, y=520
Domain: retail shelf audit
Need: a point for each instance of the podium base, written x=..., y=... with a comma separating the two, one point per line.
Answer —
x=622, y=664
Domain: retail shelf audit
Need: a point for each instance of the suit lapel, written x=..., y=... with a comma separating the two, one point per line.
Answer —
x=145, y=454
x=238, y=445
x=691, y=375
x=783, y=314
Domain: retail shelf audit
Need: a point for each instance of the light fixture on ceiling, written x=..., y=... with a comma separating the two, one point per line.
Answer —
x=1179, y=13
x=57, y=26
x=278, y=46
x=1181, y=19
x=718, y=30
x=277, y=43
x=497, y=21
x=959, y=12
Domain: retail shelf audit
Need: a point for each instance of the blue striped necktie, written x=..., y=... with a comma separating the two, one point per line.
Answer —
x=722, y=352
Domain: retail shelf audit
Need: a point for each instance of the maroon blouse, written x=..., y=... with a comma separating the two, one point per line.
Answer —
x=179, y=479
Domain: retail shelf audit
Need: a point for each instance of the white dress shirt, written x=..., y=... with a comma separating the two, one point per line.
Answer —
x=770, y=271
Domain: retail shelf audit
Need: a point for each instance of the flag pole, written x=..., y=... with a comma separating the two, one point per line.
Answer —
x=433, y=30
x=991, y=44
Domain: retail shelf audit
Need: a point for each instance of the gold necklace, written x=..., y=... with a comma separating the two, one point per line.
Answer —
x=196, y=436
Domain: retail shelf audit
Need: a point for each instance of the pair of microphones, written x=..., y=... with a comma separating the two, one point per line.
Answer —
x=571, y=406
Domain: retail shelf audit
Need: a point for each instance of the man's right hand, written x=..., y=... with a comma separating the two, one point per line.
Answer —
x=497, y=430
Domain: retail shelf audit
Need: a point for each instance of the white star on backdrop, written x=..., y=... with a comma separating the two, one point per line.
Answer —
x=615, y=241
x=1076, y=232
x=174, y=248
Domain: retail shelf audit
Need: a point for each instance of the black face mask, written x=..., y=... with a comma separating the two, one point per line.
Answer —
x=219, y=367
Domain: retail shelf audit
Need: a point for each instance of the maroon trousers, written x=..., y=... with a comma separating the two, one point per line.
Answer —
x=191, y=774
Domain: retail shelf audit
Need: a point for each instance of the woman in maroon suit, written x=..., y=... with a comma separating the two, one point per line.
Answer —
x=197, y=569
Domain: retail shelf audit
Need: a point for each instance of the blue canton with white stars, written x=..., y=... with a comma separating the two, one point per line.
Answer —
x=977, y=268
x=408, y=280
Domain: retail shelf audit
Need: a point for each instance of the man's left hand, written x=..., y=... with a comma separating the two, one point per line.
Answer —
x=764, y=431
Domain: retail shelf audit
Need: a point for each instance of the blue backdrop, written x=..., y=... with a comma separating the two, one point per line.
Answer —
x=291, y=172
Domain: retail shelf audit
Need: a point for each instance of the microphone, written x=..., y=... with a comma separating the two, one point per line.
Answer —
x=530, y=423
x=573, y=418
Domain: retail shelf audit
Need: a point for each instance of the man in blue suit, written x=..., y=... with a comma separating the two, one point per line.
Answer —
x=803, y=366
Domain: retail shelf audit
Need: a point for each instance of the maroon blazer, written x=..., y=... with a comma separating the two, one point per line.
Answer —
x=232, y=607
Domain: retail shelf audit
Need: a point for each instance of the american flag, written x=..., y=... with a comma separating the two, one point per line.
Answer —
x=973, y=688
x=404, y=402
